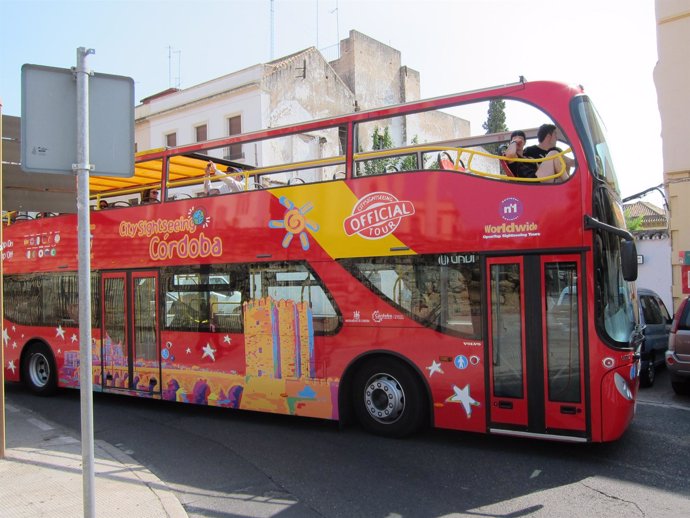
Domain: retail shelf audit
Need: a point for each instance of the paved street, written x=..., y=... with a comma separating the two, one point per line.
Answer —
x=227, y=464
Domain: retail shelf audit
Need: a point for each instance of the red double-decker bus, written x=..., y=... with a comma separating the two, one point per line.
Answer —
x=383, y=266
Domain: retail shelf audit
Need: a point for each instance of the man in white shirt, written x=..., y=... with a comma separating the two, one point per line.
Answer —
x=229, y=184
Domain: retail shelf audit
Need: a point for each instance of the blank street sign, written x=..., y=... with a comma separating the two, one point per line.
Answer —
x=49, y=122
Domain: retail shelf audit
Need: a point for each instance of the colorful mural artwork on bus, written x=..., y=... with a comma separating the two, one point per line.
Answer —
x=279, y=370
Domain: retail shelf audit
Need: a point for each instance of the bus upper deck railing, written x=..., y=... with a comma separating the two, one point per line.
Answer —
x=252, y=179
x=465, y=161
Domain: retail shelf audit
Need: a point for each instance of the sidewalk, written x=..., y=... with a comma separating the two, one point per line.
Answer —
x=41, y=476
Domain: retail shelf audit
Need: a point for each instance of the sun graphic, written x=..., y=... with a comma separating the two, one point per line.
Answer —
x=295, y=223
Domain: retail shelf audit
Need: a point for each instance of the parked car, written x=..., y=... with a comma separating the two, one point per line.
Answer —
x=657, y=324
x=678, y=354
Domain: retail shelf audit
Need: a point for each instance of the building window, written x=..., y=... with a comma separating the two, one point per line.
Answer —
x=201, y=133
x=234, y=128
x=171, y=140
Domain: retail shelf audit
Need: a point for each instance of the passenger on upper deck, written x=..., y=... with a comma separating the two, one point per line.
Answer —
x=547, y=135
x=102, y=204
x=150, y=196
x=229, y=184
x=515, y=150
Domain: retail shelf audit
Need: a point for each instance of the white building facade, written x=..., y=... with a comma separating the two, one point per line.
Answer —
x=297, y=88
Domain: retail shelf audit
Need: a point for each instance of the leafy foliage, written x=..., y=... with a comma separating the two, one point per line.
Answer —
x=380, y=141
x=632, y=223
x=495, y=122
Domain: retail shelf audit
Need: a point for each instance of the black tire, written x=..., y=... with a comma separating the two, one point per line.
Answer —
x=648, y=373
x=38, y=369
x=682, y=388
x=388, y=398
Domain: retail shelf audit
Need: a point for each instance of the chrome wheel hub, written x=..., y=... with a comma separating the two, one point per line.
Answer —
x=384, y=398
x=39, y=370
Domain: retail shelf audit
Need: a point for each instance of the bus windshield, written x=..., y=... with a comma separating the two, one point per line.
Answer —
x=594, y=141
x=614, y=303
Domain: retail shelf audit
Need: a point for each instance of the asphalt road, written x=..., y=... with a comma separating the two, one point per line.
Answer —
x=224, y=463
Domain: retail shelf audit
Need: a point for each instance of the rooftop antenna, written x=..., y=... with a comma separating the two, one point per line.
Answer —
x=273, y=30
x=177, y=81
x=337, y=21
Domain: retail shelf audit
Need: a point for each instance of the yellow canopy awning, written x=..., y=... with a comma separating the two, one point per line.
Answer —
x=148, y=173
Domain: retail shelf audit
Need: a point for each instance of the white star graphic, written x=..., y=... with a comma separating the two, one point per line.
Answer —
x=74, y=338
x=227, y=339
x=14, y=345
x=188, y=351
x=10, y=366
x=60, y=332
x=14, y=328
x=434, y=367
x=462, y=396
x=209, y=351
x=5, y=336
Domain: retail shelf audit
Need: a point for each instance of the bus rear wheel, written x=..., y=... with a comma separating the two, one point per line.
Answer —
x=388, y=398
x=38, y=370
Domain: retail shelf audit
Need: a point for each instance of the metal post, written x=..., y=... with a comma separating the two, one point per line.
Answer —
x=82, y=168
x=2, y=315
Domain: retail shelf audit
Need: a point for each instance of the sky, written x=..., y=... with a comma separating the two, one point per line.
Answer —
x=608, y=46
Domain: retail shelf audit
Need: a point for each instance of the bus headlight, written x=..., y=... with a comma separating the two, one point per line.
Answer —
x=622, y=386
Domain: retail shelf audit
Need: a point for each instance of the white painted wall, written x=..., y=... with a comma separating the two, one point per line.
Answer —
x=655, y=272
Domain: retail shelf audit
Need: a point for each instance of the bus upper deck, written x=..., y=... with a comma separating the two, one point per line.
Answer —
x=458, y=183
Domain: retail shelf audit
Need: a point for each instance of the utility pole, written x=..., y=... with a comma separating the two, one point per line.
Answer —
x=2, y=312
x=82, y=169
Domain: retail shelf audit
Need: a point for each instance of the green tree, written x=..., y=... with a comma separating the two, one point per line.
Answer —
x=409, y=163
x=495, y=122
x=633, y=223
x=379, y=141
x=383, y=140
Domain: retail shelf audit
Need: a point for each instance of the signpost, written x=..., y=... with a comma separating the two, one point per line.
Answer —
x=99, y=106
x=2, y=312
x=50, y=108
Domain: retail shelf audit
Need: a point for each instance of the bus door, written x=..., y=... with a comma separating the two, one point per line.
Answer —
x=130, y=348
x=535, y=346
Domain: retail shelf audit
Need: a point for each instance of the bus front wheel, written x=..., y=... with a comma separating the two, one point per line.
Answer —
x=38, y=369
x=388, y=398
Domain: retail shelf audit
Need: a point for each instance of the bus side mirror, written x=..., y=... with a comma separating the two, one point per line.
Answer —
x=629, y=260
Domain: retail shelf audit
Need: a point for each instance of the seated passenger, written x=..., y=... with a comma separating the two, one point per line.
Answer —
x=547, y=136
x=102, y=204
x=516, y=150
x=229, y=184
x=150, y=196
